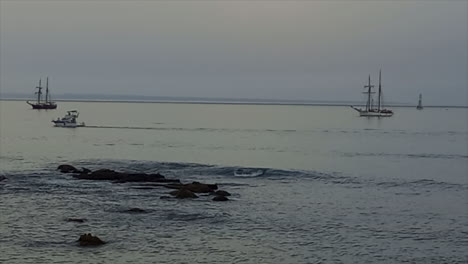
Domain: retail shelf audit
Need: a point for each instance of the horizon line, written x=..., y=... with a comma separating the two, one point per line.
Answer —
x=231, y=101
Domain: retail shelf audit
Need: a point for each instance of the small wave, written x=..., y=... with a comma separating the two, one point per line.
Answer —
x=423, y=183
x=396, y=155
x=392, y=132
x=11, y=158
x=202, y=129
x=187, y=217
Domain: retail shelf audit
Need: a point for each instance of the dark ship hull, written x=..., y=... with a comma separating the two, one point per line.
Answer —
x=43, y=106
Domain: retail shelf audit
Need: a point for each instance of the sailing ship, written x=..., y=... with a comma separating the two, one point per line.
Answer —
x=370, y=110
x=43, y=104
x=420, y=107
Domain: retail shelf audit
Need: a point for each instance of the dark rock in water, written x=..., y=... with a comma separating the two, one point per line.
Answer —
x=111, y=175
x=173, y=186
x=165, y=197
x=2, y=178
x=183, y=193
x=197, y=187
x=102, y=174
x=174, y=193
x=220, y=198
x=78, y=220
x=222, y=193
x=85, y=170
x=135, y=210
x=65, y=168
x=90, y=240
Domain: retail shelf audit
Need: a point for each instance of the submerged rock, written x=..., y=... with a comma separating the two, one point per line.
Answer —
x=183, y=193
x=90, y=240
x=195, y=187
x=220, y=198
x=111, y=175
x=135, y=210
x=222, y=193
x=65, y=168
x=201, y=187
x=78, y=220
x=198, y=187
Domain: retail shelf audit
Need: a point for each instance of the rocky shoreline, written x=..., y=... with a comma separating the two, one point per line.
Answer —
x=181, y=190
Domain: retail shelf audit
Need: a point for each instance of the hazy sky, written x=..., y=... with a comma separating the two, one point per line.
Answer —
x=312, y=50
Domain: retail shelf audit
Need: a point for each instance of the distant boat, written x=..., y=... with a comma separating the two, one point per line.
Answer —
x=420, y=107
x=69, y=120
x=47, y=103
x=370, y=110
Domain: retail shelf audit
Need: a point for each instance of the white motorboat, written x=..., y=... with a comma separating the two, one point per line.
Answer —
x=69, y=120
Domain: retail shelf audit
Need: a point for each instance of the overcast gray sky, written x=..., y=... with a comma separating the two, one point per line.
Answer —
x=312, y=50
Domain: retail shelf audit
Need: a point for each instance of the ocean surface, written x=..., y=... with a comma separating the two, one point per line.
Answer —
x=335, y=188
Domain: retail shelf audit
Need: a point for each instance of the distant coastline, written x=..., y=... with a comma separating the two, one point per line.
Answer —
x=199, y=100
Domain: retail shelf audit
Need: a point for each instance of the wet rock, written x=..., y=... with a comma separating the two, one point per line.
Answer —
x=198, y=187
x=2, y=178
x=220, y=198
x=174, y=193
x=90, y=240
x=121, y=177
x=135, y=210
x=65, y=168
x=78, y=220
x=85, y=170
x=222, y=193
x=183, y=194
x=173, y=186
x=101, y=175
x=195, y=187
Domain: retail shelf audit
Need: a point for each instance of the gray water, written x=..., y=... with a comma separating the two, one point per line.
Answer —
x=337, y=188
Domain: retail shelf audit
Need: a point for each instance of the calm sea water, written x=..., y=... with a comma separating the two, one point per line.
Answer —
x=337, y=188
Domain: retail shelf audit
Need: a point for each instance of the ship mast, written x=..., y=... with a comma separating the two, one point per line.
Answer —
x=380, y=90
x=369, y=91
x=47, y=90
x=39, y=92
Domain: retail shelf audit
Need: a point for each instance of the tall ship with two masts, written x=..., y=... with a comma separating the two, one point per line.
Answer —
x=40, y=103
x=370, y=109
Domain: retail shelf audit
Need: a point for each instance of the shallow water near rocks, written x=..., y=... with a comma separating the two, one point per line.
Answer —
x=336, y=188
